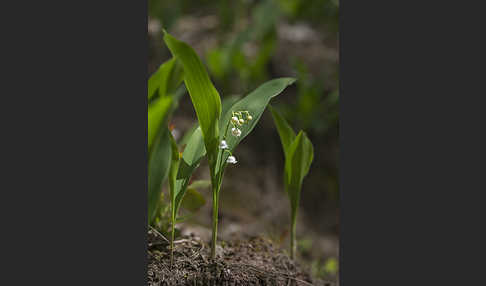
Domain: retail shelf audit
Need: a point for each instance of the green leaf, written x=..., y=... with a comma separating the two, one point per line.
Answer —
x=204, y=96
x=193, y=200
x=191, y=158
x=286, y=133
x=255, y=103
x=193, y=154
x=297, y=165
x=287, y=136
x=166, y=79
x=158, y=169
x=157, y=113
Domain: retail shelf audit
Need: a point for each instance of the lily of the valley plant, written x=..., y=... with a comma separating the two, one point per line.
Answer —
x=235, y=124
x=299, y=152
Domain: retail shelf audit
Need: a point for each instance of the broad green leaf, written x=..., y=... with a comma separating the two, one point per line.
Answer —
x=192, y=155
x=286, y=133
x=255, y=103
x=192, y=200
x=204, y=96
x=158, y=168
x=155, y=78
x=197, y=150
x=157, y=113
x=166, y=79
x=297, y=164
x=226, y=104
x=191, y=158
x=153, y=83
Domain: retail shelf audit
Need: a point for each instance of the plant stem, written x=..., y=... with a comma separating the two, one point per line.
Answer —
x=293, y=246
x=215, y=221
x=216, y=180
x=172, y=239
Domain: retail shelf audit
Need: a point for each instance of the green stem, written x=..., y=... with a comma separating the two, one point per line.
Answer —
x=222, y=162
x=172, y=237
x=293, y=246
x=216, y=180
x=215, y=222
x=226, y=131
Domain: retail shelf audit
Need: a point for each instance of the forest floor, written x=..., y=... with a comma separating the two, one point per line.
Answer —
x=253, y=261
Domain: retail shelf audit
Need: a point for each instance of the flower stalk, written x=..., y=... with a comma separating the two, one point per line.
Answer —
x=237, y=120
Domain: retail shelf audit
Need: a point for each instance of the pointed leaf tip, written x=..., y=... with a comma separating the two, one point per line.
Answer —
x=291, y=80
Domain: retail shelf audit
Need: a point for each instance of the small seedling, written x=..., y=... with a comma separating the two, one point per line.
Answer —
x=174, y=167
x=189, y=198
x=164, y=156
x=299, y=152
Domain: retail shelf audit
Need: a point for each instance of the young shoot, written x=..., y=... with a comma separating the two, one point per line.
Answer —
x=174, y=167
x=299, y=152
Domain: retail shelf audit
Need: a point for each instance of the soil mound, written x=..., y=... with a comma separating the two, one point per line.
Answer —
x=255, y=261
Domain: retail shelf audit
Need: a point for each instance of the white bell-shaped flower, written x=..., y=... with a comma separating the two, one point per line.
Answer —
x=231, y=160
x=223, y=145
x=236, y=132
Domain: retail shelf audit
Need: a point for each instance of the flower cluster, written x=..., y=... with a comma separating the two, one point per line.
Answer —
x=238, y=118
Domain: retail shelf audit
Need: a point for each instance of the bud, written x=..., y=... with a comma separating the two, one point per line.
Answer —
x=242, y=121
x=249, y=117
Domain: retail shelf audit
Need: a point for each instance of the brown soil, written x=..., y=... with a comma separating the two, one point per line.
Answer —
x=254, y=261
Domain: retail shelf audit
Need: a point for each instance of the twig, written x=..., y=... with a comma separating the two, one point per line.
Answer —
x=160, y=234
x=185, y=240
x=198, y=252
x=155, y=243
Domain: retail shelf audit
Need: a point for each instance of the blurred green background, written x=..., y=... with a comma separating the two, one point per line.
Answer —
x=244, y=43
